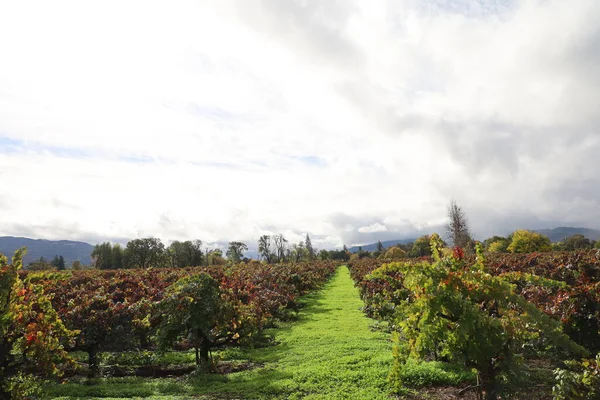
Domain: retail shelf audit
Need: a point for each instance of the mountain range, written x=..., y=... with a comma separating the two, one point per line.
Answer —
x=36, y=248
x=386, y=244
x=558, y=234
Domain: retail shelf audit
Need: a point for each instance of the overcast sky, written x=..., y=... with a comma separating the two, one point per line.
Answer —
x=354, y=121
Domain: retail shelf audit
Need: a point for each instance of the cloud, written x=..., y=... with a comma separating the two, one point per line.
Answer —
x=376, y=227
x=225, y=120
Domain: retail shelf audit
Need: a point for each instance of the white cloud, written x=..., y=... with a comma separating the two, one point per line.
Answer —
x=225, y=120
x=375, y=227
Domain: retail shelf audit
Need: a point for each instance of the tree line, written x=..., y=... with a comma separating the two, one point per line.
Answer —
x=58, y=262
x=151, y=252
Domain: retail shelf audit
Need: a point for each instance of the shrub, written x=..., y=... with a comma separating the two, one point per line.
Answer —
x=499, y=246
x=394, y=253
x=31, y=333
x=193, y=307
x=580, y=380
x=461, y=313
x=524, y=241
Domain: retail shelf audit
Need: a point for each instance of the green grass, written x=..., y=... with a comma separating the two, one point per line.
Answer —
x=434, y=373
x=330, y=352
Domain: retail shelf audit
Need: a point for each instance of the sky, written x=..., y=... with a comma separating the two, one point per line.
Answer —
x=353, y=121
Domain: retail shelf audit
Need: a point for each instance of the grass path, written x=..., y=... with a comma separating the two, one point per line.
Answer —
x=328, y=353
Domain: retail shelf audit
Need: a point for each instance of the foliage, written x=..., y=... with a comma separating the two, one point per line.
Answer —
x=421, y=247
x=235, y=251
x=145, y=253
x=193, y=307
x=298, y=252
x=102, y=256
x=280, y=244
x=215, y=257
x=462, y=313
x=185, y=254
x=31, y=333
x=342, y=255
x=394, y=253
x=264, y=248
x=487, y=242
x=577, y=242
x=524, y=241
x=315, y=358
x=40, y=265
x=580, y=380
x=77, y=266
x=58, y=262
x=312, y=252
x=114, y=309
x=323, y=255
x=383, y=292
x=499, y=246
x=576, y=305
x=110, y=309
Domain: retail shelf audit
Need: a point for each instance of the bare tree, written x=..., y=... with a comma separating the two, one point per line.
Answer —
x=280, y=246
x=458, y=227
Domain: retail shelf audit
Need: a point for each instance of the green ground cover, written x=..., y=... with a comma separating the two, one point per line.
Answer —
x=330, y=352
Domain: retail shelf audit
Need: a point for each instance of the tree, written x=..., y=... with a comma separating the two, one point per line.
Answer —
x=40, y=265
x=362, y=253
x=421, y=247
x=235, y=251
x=145, y=253
x=324, y=255
x=458, y=227
x=466, y=315
x=118, y=256
x=193, y=307
x=394, y=253
x=499, y=246
x=524, y=241
x=58, y=263
x=577, y=242
x=298, y=252
x=343, y=254
x=185, y=254
x=215, y=257
x=264, y=248
x=102, y=256
x=312, y=254
x=280, y=247
x=32, y=336
x=487, y=242
x=107, y=256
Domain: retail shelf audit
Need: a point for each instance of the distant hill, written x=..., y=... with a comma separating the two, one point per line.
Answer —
x=36, y=248
x=558, y=234
x=386, y=244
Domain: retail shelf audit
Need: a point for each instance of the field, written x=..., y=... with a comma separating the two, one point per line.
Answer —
x=328, y=352
x=321, y=330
